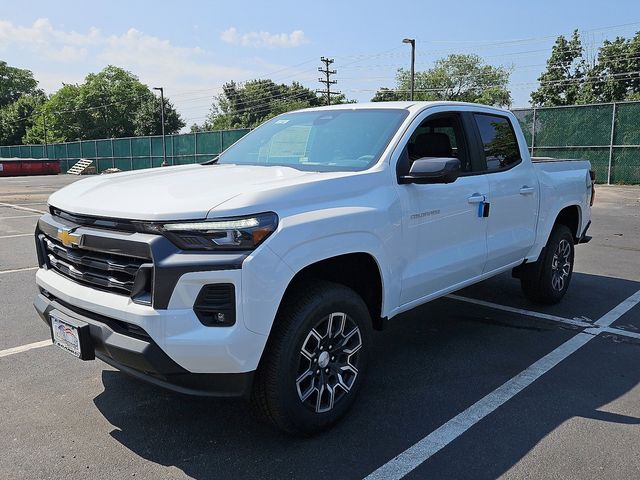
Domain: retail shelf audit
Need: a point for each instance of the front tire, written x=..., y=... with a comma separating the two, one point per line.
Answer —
x=547, y=280
x=315, y=359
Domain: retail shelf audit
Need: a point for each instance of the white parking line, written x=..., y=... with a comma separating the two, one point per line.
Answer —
x=18, y=207
x=20, y=216
x=28, y=204
x=520, y=311
x=26, y=269
x=18, y=235
x=421, y=451
x=24, y=348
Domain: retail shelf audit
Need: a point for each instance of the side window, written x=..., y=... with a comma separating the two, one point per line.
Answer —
x=500, y=144
x=441, y=136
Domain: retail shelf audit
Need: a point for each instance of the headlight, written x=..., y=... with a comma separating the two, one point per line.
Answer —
x=239, y=233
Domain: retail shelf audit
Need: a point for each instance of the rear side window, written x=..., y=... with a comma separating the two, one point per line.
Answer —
x=500, y=145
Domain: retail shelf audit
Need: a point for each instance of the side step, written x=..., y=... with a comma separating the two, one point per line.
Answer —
x=80, y=167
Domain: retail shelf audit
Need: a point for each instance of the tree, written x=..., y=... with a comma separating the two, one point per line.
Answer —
x=17, y=117
x=63, y=120
x=109, y=104
x=385, y=94
x=15, y=82
x=464, y=78
x=560, y=83
x=148, y=119
x=248, y=105
x=571, y=79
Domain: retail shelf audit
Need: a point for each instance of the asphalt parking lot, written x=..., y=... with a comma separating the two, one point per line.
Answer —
x=481, y=384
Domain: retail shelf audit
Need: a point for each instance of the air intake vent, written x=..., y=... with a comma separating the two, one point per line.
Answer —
x=216, y=305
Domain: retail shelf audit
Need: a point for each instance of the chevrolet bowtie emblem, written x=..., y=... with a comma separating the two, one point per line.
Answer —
x=68, y=238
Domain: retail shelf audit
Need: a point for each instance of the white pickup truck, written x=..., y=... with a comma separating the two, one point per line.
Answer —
x=262, y=272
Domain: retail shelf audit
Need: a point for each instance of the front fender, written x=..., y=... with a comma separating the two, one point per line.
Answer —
x=265, y=277
x=310, y=237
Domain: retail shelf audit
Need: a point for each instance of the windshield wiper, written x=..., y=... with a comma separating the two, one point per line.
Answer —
x=211, y=161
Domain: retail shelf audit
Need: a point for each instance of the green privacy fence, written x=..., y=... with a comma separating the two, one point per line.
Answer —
x=607, y=134
x=131, y=153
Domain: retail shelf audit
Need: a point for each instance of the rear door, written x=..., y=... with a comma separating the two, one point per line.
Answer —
x=444, y=234
x=513, y=192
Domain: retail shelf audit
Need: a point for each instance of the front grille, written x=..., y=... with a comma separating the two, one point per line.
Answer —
x=105, y=271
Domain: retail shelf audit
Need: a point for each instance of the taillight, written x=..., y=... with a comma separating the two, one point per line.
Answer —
x=592, y=175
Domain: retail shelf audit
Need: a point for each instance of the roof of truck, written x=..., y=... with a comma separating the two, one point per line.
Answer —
x=408, y=105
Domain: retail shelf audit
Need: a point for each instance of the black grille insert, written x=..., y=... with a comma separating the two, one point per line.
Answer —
x=105, y=271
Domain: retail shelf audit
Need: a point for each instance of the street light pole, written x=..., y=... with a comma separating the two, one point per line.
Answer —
x=412, y=41
x=164, y=146
x=44, y=126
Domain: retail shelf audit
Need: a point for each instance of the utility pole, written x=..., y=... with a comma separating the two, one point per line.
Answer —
x=327, y=80
x=164, y=145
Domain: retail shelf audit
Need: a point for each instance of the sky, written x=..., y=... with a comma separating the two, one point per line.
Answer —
x=192, y=47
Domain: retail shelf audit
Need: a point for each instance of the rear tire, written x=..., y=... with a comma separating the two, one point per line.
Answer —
x=315, y=359
x=547, y=280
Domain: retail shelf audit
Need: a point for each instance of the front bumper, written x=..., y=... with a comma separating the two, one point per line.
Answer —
x=176, y=343
x=131, y=350
x=177, y=331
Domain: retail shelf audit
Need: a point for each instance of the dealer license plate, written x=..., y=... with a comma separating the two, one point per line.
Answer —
x=66, y=336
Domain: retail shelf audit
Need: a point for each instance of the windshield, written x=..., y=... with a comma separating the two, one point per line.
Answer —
x=328, y=140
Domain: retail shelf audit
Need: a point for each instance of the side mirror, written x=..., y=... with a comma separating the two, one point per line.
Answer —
x=432, y=170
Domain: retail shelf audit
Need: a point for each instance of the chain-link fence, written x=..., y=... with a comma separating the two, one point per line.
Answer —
x=608, y=135
x=131, y=153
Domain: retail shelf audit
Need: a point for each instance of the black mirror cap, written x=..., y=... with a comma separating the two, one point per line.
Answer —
x=432, y=170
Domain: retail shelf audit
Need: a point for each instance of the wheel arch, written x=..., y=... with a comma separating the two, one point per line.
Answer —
x=359, y=271
x=570, y=216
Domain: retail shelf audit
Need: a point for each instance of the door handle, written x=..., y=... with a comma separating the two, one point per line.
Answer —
x=526, y=190
x=476, y=199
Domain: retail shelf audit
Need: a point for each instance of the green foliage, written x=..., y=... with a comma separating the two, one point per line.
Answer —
x=109, y=104
x=148, y=120
x=19, y=116
x=19, y=98
x=571, y=80
x=617, y=69
x=559, y=84
x=464, y=78
x=60, y=107
x=14, y=83
x=249, y=105
x=385, y=94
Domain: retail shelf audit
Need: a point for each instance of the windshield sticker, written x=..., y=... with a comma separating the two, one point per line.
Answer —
x=281, y=121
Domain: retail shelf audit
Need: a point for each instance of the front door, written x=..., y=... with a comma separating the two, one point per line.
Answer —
x=444, y=231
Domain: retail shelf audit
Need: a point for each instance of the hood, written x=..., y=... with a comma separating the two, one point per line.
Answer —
x=169, y=193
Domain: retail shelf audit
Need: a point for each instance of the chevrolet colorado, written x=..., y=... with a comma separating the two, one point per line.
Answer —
x=262, y=272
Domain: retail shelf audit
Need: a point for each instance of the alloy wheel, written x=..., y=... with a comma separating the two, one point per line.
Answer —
x=561, y=265
x=328, y=362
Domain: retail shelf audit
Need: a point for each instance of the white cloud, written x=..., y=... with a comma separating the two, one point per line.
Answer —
x=191, y=76
x=264, y=39
x=52, y=44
